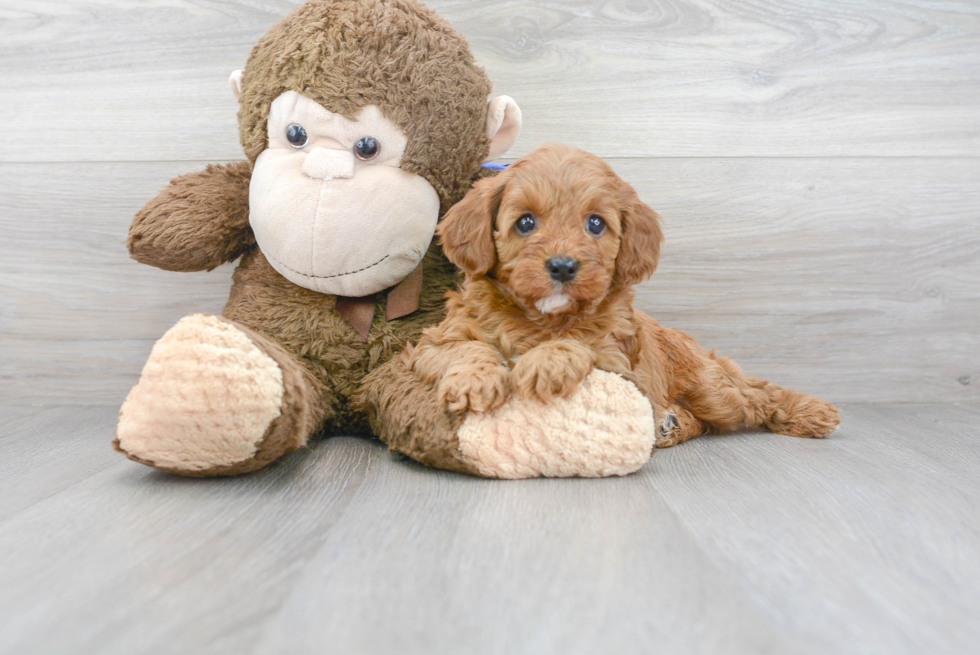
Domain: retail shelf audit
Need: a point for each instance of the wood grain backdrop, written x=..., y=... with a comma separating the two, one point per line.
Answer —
x=817, y=164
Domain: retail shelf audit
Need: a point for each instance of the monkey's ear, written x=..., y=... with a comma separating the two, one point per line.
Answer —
x=466, y=231
x=504, y=120
x=639, y=246
x=235, y=82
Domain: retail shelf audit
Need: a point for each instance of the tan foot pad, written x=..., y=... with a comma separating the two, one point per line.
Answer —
x=605, y=428
x=205, y=399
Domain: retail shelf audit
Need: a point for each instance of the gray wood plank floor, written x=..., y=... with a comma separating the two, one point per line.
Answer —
x=868, y=542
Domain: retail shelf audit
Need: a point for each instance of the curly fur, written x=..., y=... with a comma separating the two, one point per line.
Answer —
x=501, y=336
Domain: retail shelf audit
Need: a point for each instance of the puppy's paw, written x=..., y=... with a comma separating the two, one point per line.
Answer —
x=668, y=432
x=475, y=389
x=552, y=370
x=677, y=426
x=803, y=415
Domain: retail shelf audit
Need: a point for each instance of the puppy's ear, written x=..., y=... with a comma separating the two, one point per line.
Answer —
x=639, y=248
x=466, y=231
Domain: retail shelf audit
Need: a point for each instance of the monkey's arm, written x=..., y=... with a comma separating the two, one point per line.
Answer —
x=197, y=223
x=406, y=412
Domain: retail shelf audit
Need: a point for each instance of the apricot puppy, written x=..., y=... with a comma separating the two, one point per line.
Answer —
x=551, y=248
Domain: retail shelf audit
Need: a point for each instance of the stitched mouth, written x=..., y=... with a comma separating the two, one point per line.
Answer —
x=328, y=277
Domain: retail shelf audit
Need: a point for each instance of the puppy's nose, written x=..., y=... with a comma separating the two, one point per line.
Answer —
x=562, y=269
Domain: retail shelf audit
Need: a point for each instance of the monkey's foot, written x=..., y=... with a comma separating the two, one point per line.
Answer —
x=209, y=402
x=604, y=428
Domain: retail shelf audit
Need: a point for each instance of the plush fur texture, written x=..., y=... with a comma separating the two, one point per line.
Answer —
x=396, y=54
x=497, y=341
x=197, y=223
x=345, y=54
x=194, y=437
x=177, y=420
x=407, y=415
x=604, y=428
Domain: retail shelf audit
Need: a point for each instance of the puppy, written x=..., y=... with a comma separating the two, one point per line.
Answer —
x=551, y=248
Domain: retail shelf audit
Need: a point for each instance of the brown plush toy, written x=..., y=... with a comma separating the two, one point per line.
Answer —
x=363, y=121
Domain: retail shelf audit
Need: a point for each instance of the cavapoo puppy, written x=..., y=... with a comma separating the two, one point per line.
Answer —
x=551, y=248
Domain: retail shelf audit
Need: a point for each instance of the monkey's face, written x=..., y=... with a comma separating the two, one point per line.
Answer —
x=330, y=206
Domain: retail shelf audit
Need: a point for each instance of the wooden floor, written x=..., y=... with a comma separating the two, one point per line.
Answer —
x=868, y=542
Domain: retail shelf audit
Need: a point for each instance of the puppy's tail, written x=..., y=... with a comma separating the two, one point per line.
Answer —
x=728, y=399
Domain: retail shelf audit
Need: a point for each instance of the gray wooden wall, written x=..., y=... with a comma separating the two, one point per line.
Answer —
x=817, y=164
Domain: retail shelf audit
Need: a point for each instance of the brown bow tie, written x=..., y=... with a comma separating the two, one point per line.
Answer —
x=403, y=299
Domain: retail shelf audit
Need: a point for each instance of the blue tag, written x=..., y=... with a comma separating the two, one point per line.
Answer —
x=496, y=167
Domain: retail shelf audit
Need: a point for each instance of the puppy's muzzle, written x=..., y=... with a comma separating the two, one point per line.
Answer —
x=562, y=269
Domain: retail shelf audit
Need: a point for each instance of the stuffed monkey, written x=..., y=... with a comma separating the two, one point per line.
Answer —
x=363, y=121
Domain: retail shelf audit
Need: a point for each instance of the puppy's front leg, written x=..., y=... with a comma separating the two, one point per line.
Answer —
x=469, y=375
x=553, y=369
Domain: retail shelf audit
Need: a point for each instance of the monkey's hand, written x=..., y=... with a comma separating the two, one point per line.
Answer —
x=197, y=223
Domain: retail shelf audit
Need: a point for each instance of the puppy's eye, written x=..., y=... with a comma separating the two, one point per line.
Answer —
x=296, y=135
x=595, y=225
x=525, y=224
x=367, y=148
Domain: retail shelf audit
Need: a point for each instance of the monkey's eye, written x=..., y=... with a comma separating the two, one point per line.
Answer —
x=367, y=148
x=525, y=224
x=296, y=135
x=595, y=225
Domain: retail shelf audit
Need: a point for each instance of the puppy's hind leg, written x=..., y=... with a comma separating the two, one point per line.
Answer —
x=677, y=425
x=800, y=414
x=728, y=399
